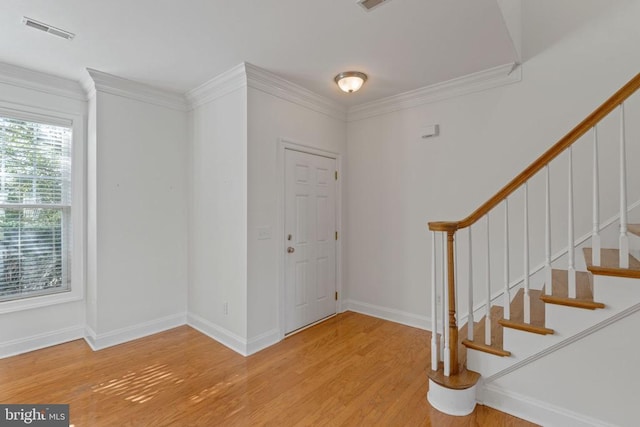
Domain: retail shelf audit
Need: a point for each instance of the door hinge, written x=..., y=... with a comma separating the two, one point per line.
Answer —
x=336, y=295
x=336, y=175
x=336, y=235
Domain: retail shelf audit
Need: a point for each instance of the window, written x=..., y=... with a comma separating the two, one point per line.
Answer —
x=35, y=208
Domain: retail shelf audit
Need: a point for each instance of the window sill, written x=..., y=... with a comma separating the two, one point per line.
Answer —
x=39, y=301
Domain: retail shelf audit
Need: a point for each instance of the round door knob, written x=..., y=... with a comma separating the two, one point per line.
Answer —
x=290, y=250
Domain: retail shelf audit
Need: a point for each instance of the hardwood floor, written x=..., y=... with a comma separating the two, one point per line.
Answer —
x=349, y=370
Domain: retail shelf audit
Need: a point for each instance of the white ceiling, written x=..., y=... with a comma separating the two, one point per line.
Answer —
x=178, y=45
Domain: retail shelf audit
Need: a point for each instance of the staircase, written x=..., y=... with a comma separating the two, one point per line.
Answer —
x=583, y=286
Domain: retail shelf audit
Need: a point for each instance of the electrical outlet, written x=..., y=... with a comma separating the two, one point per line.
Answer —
x=225, y=308
x=439, y=299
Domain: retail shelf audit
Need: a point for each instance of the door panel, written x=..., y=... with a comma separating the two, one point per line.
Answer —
x=310, y=225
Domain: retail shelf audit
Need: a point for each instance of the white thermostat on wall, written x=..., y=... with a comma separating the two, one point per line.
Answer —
x=429, y=131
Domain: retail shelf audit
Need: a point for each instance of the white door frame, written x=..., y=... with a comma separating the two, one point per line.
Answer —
x=287, y=144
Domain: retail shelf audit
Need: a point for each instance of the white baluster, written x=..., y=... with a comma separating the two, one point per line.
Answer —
x=527, y=298
x=457, y=267
x=570, y=246
x=445, y=311
x=595, y=237
x=487, y=324
x=547, y=238
x=470, y=320
x=624, y=239
x=507, y=291
x=434, y=306
x=443, y=290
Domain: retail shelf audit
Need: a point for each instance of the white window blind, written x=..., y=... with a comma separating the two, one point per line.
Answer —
x=35, y=208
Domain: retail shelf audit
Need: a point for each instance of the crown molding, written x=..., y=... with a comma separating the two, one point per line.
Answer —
x=272, y=84
x=41, y=82
x=482, y=80
x=218, y=86
x=103, y=82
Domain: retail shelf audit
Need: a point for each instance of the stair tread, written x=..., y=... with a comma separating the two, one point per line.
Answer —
x=516, y=320
x=560, y=291
x=462, y=380
x=609, y=264
x=634, y=228
x=478, y=343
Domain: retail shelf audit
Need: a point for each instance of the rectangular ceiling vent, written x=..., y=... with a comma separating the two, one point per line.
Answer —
x=371, y=4
x=47, y=28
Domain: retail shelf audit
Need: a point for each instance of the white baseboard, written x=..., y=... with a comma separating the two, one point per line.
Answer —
x=398, y=316
x=263, y=341
x=533, y=410
x=36, y=342
x=119, y=336
x=222, y=335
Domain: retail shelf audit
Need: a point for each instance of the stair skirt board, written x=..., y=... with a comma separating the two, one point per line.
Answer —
x=533, y=410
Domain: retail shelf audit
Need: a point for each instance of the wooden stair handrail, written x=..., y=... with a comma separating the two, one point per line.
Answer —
x=592, y=119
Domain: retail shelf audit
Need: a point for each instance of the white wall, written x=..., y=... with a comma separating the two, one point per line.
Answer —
x=29, y=329
x=397, y=182
x=271, y=119
x=139, y=187
x=218, y=218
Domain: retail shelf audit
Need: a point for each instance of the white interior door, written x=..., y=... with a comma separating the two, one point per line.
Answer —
x=310, y=238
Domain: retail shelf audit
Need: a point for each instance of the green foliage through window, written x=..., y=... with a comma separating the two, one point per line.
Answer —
x=35, y=206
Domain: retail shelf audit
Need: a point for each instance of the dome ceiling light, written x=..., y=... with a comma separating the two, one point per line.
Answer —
x=350, y=81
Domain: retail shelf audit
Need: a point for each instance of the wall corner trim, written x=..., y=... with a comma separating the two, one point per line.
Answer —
x=217, y=87
x=218, y=333
x=476, y=82
x=103, y=82
x=265, y=81
x=262, y=341
x=41, y=82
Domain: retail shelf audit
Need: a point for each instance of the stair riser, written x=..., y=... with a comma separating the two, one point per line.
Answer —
x=618, y=293
x=487, y=364
x=524, y=344
x=567, y=321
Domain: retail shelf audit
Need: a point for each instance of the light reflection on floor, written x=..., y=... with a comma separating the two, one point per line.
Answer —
x=140, y=386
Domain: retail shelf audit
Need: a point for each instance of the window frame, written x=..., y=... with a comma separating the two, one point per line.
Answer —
x=78, y=206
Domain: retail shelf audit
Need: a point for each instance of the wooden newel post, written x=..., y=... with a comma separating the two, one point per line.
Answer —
x=451, y=290
x=450, y=228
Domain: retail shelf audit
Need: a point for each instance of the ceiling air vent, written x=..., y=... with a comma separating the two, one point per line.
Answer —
x=371, y=4
x=47, y=28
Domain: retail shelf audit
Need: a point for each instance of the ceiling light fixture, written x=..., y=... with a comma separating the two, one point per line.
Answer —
x=47, y=28
x=370, y=4
x=350, y=81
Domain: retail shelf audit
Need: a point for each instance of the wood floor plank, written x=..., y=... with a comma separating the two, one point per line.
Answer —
x=349, y=370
